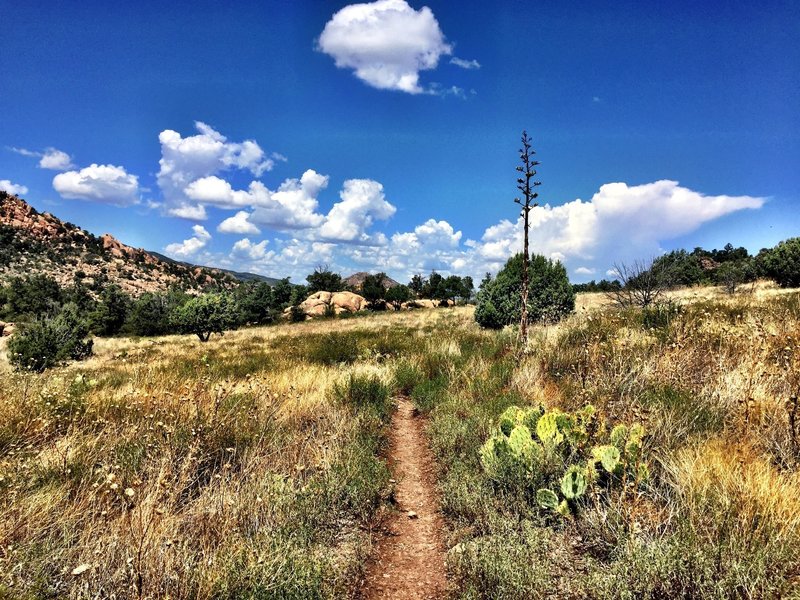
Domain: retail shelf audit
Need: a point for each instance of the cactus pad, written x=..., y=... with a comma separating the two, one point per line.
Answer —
x=547, y=429
x=608, y=456
x=573, y=484
x=511, y=417
x=618, y=436
x=547, y=499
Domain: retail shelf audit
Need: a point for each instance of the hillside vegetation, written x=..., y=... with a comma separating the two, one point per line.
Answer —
x=34, y=243
x=251, y=466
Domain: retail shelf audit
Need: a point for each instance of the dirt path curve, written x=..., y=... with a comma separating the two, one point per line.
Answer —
x=409, y=557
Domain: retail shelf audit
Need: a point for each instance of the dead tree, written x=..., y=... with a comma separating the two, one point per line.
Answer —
x=526, y=185
x=642, y=283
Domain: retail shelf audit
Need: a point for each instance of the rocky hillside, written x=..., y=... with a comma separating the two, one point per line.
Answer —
x=356, y=280
x=40, y=243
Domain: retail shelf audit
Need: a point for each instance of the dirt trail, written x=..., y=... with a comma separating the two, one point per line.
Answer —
x=409, y=557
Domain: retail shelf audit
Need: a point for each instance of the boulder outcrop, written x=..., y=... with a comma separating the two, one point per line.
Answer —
x=321, y=304
x=425, y=303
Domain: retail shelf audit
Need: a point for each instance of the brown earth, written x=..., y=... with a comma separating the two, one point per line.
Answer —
x=409, y=556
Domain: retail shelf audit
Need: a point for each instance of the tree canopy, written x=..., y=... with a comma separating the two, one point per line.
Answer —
x=550, y=295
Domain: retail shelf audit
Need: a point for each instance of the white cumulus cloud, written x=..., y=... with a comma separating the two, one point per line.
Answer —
x=620, y=222
x=100, y=183
x=239, y=224
x=386, y=43
x=191, y=246
x=191, y=212
x=246, y=249
x=293, y=206
x=56, y=160
x=12, y=188
x=185, y=160
x=362, y=201
x=51, y=158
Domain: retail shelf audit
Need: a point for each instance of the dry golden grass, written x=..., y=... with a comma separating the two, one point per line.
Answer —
x=239, y=468
x=759, y=290
x=171, y=467
x=760, y=503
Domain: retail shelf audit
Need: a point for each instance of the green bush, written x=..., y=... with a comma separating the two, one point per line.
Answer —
x=296, y=314
x=487, y=315
x=335, y=348
x=111, y=312
x=550, y=296
x=428, y=393
x=204, y=315
x=782, y=263
x=48, y=343
x=660, y=315
x=150, y=315
x=406, y=376
x=365, y=393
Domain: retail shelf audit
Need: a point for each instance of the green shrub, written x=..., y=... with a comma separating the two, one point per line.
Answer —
x=149, y=315
x=365, y=393
x=406, y=377
x=487, y=315
x=660, y=315
x=782, y=263
x=335, y=348
x=427, y=394
x=49, y=342
x=296, y=314
x=206, y=314
x=112, y=310
x=504, y=567
x=550, y=295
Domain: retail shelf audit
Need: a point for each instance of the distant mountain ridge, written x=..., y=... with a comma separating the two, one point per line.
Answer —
x=40, y=243
x=356, y=280
x=239, y=275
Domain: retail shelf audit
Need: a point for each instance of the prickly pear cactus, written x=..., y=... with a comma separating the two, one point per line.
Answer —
x=609, y=456
x=547, y=429
x=619, y=436
x=547, y=499
x=511, y=417
x=531, y=446
x=531, y=417
x=521, y=442
x=633, y=447
x=578, y=428
x=495, y=455
x=573, y=484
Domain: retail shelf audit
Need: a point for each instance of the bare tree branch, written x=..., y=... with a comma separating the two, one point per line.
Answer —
x=642, y=283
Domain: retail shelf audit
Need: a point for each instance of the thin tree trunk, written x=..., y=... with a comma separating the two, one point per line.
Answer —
x=523, y=325
x=526, y=186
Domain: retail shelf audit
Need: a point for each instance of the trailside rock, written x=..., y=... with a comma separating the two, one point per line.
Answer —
x=426, y=303
x=321, y=304
x=348, y=302
x=316, y=304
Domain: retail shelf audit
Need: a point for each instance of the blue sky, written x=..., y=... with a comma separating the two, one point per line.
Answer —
x=277, y=136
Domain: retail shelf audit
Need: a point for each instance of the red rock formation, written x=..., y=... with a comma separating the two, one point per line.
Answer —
x=63, y=251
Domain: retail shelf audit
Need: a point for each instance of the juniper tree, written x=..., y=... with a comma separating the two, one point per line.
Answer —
x=526, y=184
